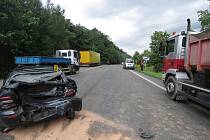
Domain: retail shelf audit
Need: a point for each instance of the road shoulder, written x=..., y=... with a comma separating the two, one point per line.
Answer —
x=155, y=81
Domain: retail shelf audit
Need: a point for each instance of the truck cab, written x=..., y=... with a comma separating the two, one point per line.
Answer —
x=186, y=66
x=73, y=55
x=175, y=52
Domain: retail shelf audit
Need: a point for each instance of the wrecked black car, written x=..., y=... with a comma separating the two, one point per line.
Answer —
x=35, y=93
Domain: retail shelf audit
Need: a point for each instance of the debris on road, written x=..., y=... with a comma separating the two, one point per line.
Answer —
x=83, y=127
x=145, y=134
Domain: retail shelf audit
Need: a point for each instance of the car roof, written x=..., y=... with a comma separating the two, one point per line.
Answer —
x=129, y=59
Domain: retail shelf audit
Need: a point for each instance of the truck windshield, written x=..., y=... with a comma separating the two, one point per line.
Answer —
x=75, y=54
x=170, y=46
x=69, y=53
x=184, y=42
x=64, y=54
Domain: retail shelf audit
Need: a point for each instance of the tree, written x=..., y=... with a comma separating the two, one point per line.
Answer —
x=137, y=57
x=157, y=38
x=146, y=53
x=29, y=28
x=204, y=18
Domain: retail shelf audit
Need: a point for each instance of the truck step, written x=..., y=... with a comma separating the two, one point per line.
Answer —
x=181, y=97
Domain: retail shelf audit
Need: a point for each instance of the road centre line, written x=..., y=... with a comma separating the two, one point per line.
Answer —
x=151, y=82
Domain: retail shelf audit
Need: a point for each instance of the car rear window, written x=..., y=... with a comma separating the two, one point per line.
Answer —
x=129, y=61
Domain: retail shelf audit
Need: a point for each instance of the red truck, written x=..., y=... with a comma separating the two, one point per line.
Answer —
x=186, y=66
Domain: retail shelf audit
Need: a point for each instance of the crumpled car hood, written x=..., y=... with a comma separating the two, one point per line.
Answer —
x=32, y=76
x=35, y=78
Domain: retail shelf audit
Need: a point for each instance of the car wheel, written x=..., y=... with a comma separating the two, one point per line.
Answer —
x=171, y=88
x=70, y=114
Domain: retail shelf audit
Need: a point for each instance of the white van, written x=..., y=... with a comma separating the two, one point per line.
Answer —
x=129, y=64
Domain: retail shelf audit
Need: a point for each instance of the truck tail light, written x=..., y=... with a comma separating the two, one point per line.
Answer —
x=69, y=92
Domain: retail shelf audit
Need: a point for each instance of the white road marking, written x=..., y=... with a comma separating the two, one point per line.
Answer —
x=151, y=82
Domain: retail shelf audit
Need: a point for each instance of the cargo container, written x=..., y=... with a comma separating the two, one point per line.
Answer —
x=199, y=52
x=89, y=58
x=186, y=68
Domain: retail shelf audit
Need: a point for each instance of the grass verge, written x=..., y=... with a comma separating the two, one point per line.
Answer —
x=149, y=71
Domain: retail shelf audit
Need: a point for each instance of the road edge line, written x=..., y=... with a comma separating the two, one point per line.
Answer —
x=151, y=82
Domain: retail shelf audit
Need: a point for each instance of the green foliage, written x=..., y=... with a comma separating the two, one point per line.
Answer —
x=137, y=57
x=204, y=18
x=149, y=70
x=157, y=38
x=95, y=40
x=29, y=28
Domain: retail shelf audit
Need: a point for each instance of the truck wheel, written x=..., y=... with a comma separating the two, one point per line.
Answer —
x=171, y=88
x=70, y=114
x=74, y=71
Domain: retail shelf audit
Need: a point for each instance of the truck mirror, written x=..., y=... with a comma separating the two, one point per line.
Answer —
x=183, y=33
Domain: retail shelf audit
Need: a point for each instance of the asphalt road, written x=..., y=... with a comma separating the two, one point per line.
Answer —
x=125, y=98
x=119, y=102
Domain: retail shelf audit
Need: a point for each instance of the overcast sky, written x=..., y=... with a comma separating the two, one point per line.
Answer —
x=130, y=23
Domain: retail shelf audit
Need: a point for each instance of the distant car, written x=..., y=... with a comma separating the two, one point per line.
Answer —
x=129, y=64
x=35, y=93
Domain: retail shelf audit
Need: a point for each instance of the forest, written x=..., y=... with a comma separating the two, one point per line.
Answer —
x=29, y=28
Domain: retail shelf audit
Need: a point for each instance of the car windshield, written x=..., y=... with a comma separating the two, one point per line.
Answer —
x=130, y=61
